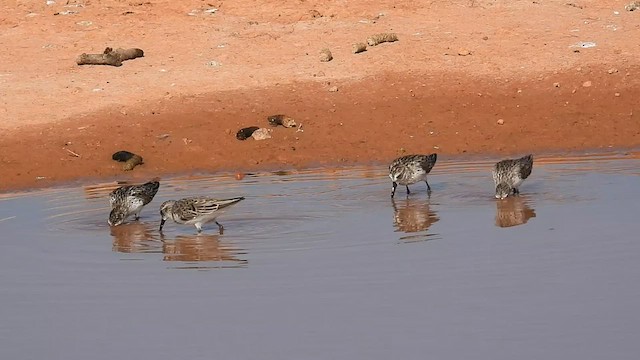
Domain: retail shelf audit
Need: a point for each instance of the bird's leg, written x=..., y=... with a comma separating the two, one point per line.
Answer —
x=220, y=227
x=516, y=191
x=199, y=227
x=428, y=187
x=408, y=191
x=393, y=189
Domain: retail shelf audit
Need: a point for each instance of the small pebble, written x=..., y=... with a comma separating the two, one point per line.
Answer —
x=122, y=156
x=275, y=120
x=131, y=163
x=325, y=55
x=333, y=89
x=557, y=84
x=612, y=71
x=500, y=122
x=261, y=134
x=586, y=84
x=245, y=133
x=616, y=94
x=358, y=48
x=464, y=52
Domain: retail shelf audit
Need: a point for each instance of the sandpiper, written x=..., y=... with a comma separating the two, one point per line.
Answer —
x=509, y=174
x=195, y=211
x=410, y=169
x=129, y=200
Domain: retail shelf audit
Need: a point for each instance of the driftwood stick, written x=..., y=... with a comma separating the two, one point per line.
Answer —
x=110, y=57
x=72, y=153
x=376, y=39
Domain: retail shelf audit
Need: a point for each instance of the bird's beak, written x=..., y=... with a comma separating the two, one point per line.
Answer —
x=162, y=224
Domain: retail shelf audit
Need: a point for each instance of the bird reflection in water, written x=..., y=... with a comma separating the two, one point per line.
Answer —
x=200, y=248
x=414, y=215
x=136, y=237
x=139, y=237
x=513, y=211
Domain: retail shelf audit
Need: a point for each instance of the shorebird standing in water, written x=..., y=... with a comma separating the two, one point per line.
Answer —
x=410, y=169
x=129, y=200
x=195, y=211
x=509, y=174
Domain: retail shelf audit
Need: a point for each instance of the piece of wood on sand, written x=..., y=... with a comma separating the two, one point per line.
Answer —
x=110, y=57
x=376, y=39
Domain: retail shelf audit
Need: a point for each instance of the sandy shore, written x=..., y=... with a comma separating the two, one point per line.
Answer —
x=458, y=68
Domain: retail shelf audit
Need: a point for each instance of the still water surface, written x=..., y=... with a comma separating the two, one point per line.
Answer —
x=324, y=265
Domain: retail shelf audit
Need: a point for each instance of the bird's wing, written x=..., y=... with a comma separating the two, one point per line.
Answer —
x=190, y=209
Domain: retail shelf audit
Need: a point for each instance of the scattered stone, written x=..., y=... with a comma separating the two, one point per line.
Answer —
x=130, y=159
x=122, y=156
x=586, y=84
x=187, y=141
x=245, y=133
x=320, y=74
x=213, y=63
x=284, y=120
x=358, y=48
x=377, y=39
x=333, y=89
x=556, y=84
x=485, y=38
x=584, y=44
x=315, y=13
x=227, y=131
x=162, y=136
x=325, y=55
x=575, y=5
x=132, y=163
x=240, y=176
x=633, y=6
x=500, y=122
x=261, y=134
x=195, y=12
x=84, y=23
x=616, y=94
x=612, y=71
x=65, y=12
x=464, y=52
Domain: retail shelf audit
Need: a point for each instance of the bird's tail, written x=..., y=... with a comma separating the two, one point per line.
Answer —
x=228, y=202
x=526, y=160
x=152, y=186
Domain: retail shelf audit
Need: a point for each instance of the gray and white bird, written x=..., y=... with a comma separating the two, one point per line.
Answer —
x=196, y=211
x=410, y=169
x=509, y=174
x=129, y=200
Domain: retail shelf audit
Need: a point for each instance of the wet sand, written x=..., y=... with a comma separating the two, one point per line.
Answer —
x=371, y=121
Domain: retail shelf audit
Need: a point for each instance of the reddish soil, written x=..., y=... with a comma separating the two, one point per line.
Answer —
x=206, y=75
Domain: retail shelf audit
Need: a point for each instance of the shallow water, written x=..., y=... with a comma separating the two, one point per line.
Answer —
x=323, y=264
